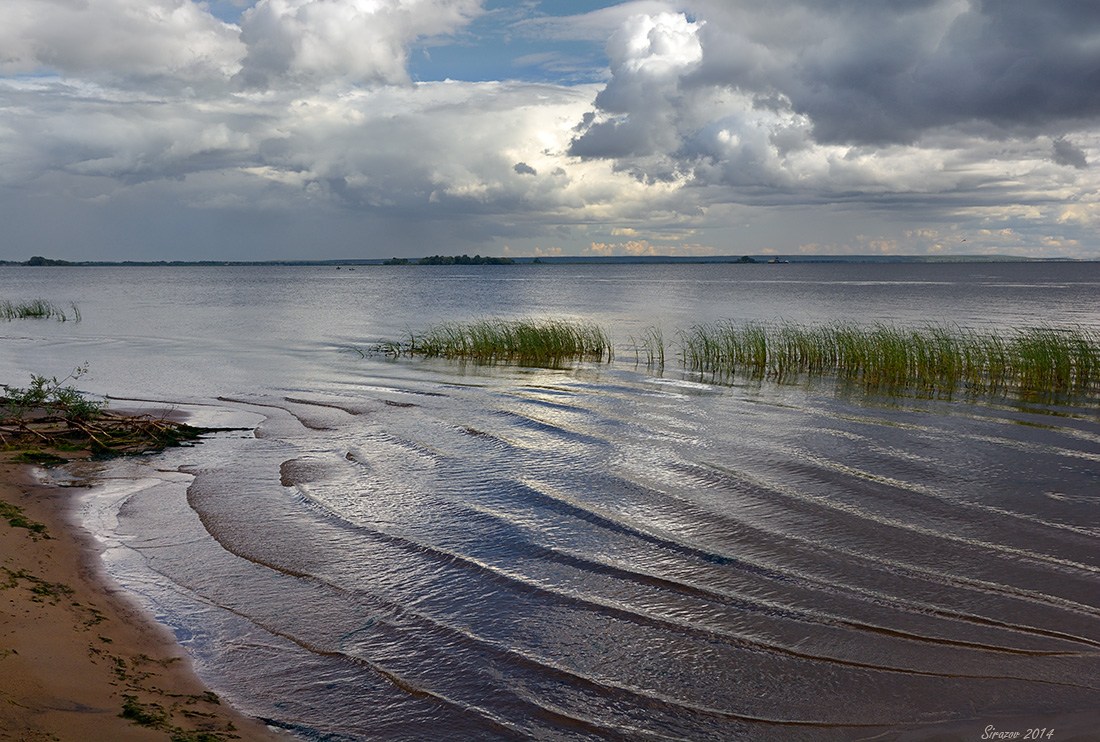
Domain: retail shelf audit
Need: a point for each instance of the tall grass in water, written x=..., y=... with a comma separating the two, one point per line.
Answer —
x=650, y=344
x=533, y=342
x=37, y=309
x=936, y=359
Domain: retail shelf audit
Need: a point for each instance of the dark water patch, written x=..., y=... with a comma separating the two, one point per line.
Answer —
x=296, y=472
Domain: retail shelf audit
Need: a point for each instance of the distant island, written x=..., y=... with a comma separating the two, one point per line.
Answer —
x=451, y=260
x=39, y=260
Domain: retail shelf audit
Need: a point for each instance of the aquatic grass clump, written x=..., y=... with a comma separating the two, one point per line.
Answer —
x=527, y=341
x=934, y=359
x=37, y=309
x=1048, y=358
x=651, y=345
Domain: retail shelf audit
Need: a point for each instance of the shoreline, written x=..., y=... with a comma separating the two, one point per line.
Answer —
x=80, y=660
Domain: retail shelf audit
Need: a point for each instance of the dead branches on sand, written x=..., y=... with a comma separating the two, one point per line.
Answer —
x=49, y=418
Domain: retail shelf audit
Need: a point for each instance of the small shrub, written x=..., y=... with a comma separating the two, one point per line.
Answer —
x=51, y=394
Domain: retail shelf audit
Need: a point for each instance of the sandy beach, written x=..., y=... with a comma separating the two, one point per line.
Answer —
x=78, y=660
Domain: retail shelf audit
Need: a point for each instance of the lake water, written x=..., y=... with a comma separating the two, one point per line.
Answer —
x=426, y=549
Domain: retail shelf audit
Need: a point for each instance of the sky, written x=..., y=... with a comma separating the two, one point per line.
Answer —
x=344, y=129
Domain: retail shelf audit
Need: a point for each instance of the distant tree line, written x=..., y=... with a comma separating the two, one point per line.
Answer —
x=35, y=261
x=452, y=260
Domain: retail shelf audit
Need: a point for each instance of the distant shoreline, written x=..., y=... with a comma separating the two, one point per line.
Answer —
x=561, y=260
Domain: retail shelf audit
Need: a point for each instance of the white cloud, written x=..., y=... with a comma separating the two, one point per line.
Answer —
x=778, y=121
x=117, y=39
x=425, y=151
x=310, y=41
x=596, y=25
x=639, y=107
x=714, y=106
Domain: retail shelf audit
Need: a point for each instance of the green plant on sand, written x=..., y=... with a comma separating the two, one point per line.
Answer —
x=51, y=416
x=50, y=395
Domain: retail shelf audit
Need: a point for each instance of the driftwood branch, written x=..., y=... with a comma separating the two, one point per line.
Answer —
x=53, y=426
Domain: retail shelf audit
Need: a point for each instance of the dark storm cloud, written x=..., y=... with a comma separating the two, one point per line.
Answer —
x=878, y=73
x=1065, y=153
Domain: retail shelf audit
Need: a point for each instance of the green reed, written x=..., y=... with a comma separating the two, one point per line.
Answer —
x=37, y=309
x=935, y=359
x=651, y=345
x=528, y=341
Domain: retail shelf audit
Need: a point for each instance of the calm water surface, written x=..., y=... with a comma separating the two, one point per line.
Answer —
x=409, y=550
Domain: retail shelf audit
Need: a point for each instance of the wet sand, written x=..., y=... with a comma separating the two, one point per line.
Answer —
x=78, y=660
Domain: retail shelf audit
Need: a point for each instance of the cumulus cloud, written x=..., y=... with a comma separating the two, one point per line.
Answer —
x=648, y=55
x=117, y=40
x=884, y=120
x=279, y=42
x=310, y=41
x=425, y=151
x=797, y=101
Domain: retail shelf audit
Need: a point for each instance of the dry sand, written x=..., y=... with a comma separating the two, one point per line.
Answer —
x=76, y=654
